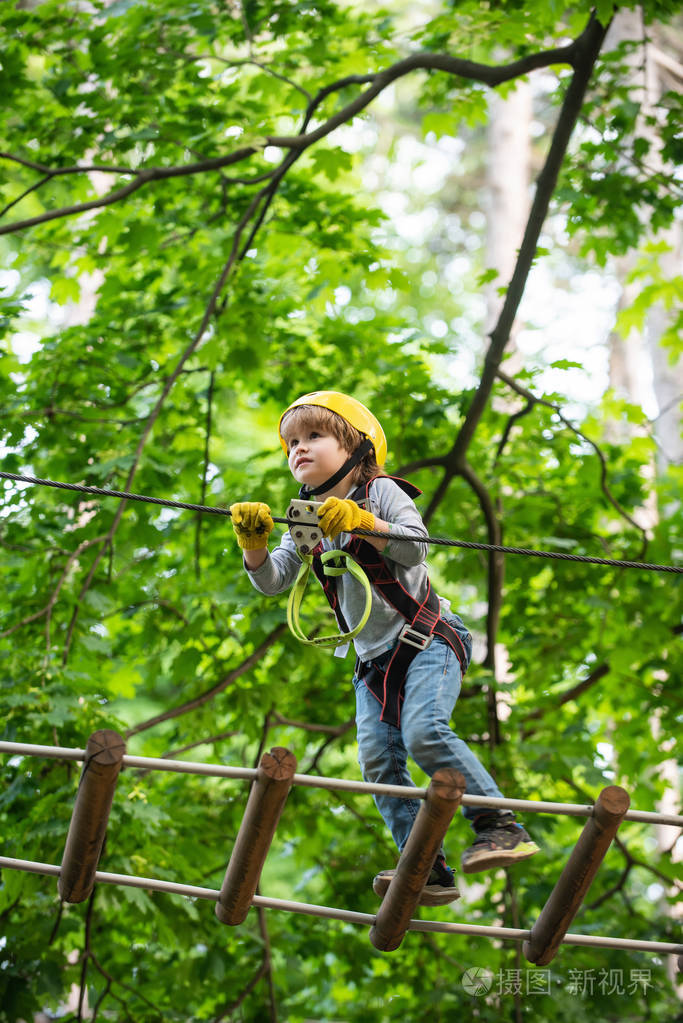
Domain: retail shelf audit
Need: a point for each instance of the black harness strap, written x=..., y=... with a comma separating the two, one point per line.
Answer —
x=423, y=619
x=306, y=493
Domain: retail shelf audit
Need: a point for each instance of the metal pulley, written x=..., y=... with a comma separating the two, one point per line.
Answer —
x=304, y=528
x=304, y=525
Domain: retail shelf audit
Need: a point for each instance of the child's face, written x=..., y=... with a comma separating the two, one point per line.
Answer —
x=314, y=455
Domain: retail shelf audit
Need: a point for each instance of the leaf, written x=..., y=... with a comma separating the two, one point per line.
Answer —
x=487, y=277
x=64, y=290
x=124, y=681
x=565, y=364
x=331, y=162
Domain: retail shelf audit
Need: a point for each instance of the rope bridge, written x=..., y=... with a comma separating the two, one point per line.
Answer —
x=105, y=755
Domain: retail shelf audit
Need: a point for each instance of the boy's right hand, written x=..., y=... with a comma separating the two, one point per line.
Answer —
x=252, y=523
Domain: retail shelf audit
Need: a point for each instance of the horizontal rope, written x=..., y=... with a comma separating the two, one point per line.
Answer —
x=411, y=537
x=347, y=916
x=337, y=784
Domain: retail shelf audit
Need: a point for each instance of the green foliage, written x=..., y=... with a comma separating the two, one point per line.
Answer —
x=142, y=620
x=665, y=291
x=623, y=174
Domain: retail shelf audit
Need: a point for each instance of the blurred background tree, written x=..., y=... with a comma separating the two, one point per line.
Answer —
x=461, y=214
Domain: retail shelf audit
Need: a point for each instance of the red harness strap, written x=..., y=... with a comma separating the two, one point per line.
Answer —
x=423, y=619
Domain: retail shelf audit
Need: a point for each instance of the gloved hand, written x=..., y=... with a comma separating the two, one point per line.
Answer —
x=252, y=523
x=341, y=515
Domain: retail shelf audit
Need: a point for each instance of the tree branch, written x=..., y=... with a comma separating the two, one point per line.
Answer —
x=94, y=204
x=425, y=61
x=440, y=492
x=267, y=961
x=587, y=48
x=570, y=694
x=420, y=463
x=265, y=728
x=199, y=701
x=205, y=470
x=154, y=414
x=230, y=1009
x=127, y=987
x=47, y=610
x=333, y=730
x=205, y=741
x=634, y=862
x=101, y=998
x=496, y=560
x=54, y=172
x=312, y=765
x=87, y=950
x=607, y=895
x=584, y=53
x=484, y=73
x=514, y=418
x=532, y=400
x=27, y=191
x=191, y=58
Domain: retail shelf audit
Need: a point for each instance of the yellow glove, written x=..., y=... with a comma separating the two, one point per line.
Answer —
x=339, y=515
x=252, y=523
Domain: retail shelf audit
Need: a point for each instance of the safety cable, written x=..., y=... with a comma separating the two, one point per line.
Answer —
x=414, y=537
x=321, y=781
x=154, y=884
x=348, y=916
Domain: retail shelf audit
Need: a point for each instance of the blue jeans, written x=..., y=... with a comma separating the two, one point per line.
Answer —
x=432, y=687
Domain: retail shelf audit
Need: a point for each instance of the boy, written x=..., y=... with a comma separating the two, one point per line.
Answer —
x=413, y=652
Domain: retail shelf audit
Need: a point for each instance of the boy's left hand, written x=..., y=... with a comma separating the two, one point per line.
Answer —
x=342, y=515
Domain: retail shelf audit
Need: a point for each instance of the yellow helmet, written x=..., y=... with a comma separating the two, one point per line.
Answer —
x=350, y=409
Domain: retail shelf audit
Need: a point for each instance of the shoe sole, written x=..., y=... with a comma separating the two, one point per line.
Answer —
x=499, y=858
x=435, y=896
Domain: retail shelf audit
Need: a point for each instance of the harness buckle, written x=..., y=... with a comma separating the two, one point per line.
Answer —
x=304, y=525
x=414, y=638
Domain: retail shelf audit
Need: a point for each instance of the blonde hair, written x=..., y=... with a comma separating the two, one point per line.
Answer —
x=307, y=417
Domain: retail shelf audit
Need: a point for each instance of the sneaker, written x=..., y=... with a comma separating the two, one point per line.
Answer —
x=500, y=842
x=439, y=890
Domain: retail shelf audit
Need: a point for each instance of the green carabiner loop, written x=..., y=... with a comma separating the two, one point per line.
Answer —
x=296, y=597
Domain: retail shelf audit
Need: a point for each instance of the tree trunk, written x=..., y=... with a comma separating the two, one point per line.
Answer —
x=508, y=199
x=655, y=71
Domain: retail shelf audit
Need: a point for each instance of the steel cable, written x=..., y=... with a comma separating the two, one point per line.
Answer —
x=335, y=784
x=413, y=538
x=154, y=884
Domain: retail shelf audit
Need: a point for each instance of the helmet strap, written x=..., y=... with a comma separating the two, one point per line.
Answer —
x=305, y=493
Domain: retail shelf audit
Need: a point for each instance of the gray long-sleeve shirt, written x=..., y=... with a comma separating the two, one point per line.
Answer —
x=405, y=559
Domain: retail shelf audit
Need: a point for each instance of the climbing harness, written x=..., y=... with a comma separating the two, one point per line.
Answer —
x=362, y=561
x=423, y=619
